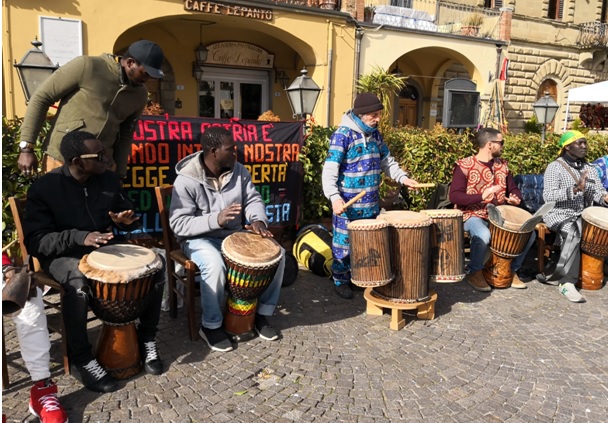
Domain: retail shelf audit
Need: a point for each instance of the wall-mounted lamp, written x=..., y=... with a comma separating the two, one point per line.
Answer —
x=178, y=103
x=201, y=51
x=200, y=57
x=33, y=69
x=520, y=114
x=281, y=77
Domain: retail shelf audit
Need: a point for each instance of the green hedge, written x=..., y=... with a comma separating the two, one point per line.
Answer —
x=13, y=181
x=429, y=156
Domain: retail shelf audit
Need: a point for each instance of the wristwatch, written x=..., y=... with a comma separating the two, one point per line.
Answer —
x=26, y=145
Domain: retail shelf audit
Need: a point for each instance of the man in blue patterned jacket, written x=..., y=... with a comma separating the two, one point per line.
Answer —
x=357, y=155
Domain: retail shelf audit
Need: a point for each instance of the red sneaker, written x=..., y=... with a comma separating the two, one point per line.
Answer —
x=44, y=403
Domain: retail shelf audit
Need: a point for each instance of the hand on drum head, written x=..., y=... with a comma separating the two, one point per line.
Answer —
x=259, y=228
x=97, y=239
x=126, y=217
x=228, y=214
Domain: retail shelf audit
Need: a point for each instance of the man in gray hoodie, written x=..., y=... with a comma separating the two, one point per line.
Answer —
x=213, y=197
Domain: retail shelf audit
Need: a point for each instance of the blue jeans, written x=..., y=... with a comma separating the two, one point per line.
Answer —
x=480, y=241
x=206, y=253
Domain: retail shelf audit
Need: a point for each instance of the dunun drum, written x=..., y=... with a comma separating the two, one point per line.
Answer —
x=447, y=245
x=252, y=262
x=410, y=254
x=120, y=277
x=370, y=252
x=312, y=249
x=594, y=247
x=506, y=243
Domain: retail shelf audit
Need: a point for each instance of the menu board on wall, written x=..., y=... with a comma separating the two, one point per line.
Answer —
x=61, y=38
x=269, y=150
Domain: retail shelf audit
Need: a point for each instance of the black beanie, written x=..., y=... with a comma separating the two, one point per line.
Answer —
x=367, y=103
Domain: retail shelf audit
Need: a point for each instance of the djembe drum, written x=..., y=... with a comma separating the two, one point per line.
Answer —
x=252, y=262
x=370, y=252
x=410, y=253
x=447, y=245
x=594, y=247
x=120, y=277
x=506, y=243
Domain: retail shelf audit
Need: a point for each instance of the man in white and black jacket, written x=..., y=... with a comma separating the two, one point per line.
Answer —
x=574, y=185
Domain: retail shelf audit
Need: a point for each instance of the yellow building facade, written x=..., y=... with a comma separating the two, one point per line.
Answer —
x=257, y=48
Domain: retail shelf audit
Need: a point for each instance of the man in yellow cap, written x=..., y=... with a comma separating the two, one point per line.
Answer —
x=574, y=185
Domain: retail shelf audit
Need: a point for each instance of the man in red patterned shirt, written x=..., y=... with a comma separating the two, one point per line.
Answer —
x=478, y=181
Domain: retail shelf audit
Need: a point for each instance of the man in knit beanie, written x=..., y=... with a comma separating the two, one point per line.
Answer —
x=357, y=155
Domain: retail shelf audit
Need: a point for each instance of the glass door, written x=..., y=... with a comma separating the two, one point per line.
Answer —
x=228, y=93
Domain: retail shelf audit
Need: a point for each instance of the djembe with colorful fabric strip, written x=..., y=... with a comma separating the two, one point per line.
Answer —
x=252, y=262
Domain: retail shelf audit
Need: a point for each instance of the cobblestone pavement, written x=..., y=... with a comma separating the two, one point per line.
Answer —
x=506, y=356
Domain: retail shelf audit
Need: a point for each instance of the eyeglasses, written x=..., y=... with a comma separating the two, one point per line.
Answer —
x=499, y=142
x=99, y=156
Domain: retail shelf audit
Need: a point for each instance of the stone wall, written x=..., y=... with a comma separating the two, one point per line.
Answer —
x=529, y=66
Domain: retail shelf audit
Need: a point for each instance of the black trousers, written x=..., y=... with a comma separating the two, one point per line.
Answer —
x=75, y=306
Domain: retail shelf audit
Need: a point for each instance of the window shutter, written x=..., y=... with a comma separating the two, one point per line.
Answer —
x=560, y=14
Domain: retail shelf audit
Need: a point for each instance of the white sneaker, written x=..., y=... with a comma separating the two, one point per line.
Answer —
x=569, y=291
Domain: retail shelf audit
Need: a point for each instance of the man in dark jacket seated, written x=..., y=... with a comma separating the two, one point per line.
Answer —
x=70, y=212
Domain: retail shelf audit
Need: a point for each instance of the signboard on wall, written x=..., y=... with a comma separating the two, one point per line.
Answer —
x=269, y=150
x=61, y=38
x=235, y=53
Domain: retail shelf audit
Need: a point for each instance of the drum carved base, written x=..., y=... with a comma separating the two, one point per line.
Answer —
x=118, y=351
x=592, y=272
x=376, y=306
x=497, y=271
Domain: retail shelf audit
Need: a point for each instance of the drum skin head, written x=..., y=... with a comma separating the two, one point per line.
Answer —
x=596, y=215
x=367, y=224
x=442, y=213
x=119, y=263
x=251, y=248
x=405, y=218
x=514, y=216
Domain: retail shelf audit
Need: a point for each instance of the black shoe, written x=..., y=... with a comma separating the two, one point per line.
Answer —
x=525, y=275
x=95, y=378
x=217, y=339
x=344, y=291
x=149, y=355
x=264, y=330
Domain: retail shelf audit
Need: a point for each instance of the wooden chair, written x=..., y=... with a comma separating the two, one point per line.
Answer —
x=43, y=280
x=175, y=255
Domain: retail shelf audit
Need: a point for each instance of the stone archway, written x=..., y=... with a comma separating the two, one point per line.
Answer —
x=558, y=73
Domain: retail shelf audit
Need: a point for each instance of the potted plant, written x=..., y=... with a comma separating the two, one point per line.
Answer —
x=471, y=24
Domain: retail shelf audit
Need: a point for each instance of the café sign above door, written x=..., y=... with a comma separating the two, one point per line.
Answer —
x=234, y=53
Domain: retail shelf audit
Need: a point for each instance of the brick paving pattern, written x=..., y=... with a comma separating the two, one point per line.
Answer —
x=508, y=356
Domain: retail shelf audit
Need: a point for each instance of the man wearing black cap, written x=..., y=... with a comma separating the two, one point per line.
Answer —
x=357, y=155
x=103, y=95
